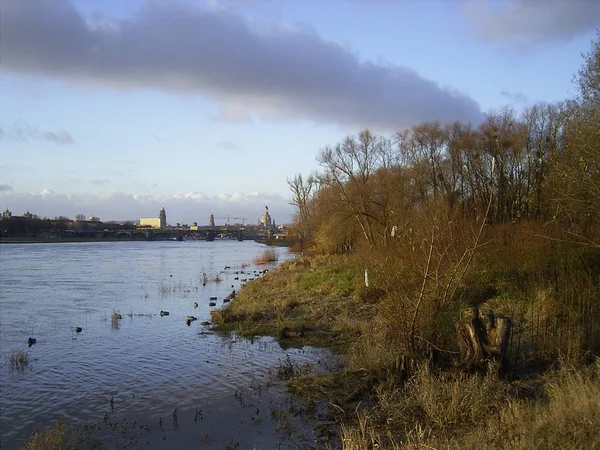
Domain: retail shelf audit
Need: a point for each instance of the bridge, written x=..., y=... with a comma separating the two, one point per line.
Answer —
x=207, y=233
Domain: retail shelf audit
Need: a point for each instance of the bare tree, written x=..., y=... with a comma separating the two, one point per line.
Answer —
x=303, y=191
x=349, y=168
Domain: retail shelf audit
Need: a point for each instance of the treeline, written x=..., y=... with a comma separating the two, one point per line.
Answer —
x=504, y=213
x=541, y=165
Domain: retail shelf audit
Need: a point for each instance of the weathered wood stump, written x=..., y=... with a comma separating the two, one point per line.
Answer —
x=483, y=338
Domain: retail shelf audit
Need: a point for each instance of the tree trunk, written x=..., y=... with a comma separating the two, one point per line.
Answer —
x=483, y=338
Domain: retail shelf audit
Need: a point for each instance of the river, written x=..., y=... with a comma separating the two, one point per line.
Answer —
x=195, y=387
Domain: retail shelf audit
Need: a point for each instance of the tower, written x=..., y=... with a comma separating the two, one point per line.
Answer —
x=265, y=219
x=211, y=220
x=162, y=215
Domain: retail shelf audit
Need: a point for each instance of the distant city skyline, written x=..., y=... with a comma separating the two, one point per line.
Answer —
x=114, y=109
x=218, y=220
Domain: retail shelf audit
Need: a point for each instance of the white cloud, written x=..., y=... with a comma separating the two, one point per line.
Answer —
x=115, y=205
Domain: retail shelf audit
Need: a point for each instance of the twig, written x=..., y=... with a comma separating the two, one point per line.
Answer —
x=437, y=348
x=422, y=293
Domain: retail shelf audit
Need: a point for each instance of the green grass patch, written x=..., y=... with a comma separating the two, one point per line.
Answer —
x=306, y=301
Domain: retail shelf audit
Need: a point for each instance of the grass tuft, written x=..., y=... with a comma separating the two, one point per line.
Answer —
x=267, y=256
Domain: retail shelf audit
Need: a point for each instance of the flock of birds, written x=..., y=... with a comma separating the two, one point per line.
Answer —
x=189, y=319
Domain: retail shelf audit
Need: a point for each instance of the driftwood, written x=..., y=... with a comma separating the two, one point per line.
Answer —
x=482, y=338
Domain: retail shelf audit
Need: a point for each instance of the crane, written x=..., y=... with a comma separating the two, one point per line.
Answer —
x=243, y=219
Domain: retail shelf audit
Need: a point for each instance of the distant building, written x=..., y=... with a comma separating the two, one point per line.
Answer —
x=159, y=222
x=211, y=221
x=266, y=220
x=6, y=214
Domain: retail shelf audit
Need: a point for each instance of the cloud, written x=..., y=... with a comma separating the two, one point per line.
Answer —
x=5, y=188
x=22, y=131
x=277, y=70
x=60, y=138
x=99, y=181
x=115, y=205
x=517, y=98
x=158, y=138
x=227, y=145
x=532, y=22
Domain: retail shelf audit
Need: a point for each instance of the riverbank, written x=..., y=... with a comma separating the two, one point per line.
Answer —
x=378, y=401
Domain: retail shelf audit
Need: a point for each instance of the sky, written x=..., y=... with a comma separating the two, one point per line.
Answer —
x=114, y=108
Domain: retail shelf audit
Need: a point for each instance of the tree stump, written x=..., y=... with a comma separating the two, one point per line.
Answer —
x=483, y=338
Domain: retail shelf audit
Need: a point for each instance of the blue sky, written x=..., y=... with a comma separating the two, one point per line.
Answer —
x=114, y=108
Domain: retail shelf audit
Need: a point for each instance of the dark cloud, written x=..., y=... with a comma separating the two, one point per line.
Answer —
x=174, y=46
x=517, y=98
x=22, y=131
x=5, y=188
x=532, y=22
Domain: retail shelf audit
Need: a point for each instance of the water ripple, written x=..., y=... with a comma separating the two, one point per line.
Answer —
x=146, y=364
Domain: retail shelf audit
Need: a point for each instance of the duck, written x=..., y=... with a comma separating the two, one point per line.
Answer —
x=189, y=320
x=195, y=304
x=164, y=313
x=205, y=323
x=31, y=341
x=212, y=304
x=78, y=329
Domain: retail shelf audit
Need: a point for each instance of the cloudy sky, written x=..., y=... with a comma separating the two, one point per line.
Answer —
x=115, y=107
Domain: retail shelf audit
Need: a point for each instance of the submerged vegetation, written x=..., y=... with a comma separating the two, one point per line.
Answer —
x=19, y=360
x=402, y=234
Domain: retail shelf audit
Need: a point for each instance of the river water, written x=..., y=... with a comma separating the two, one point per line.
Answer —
x=195, y=387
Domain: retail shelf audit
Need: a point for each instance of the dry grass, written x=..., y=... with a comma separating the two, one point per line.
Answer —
x=473, y=412
x=551, y=292
x=56, y=437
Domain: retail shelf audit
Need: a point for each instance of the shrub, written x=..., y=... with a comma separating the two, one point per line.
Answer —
x=267, y=256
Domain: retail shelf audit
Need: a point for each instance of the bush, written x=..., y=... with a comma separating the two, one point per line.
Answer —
x=267, y=256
